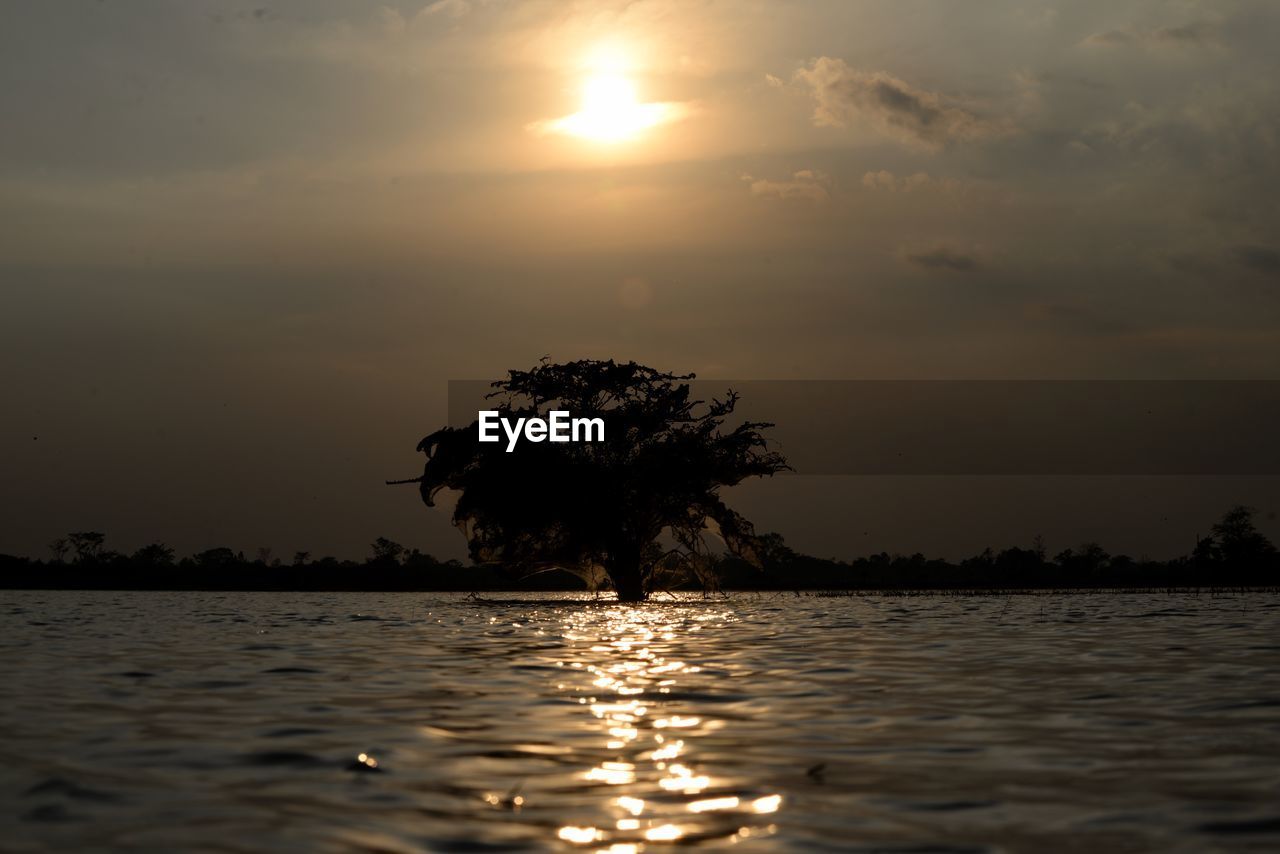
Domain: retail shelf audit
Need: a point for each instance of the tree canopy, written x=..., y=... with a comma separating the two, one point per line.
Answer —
x=601, y=508
x=1234, y=539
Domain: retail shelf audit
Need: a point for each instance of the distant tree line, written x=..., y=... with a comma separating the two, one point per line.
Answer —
x=1234, y=554
x=80, y=560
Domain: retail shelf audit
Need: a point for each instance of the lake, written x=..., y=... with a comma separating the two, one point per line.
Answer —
x=411, y=722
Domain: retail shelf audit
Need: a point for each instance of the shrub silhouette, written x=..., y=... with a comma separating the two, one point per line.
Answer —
x=601, y=507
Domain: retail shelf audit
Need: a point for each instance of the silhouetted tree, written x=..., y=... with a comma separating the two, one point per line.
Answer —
x=153, y=555
x=87, y=544
x=584, y=506
x=1014, y=564
x=387, y=551
x=983, y=562
x=299, y=558
x=1238, y=538
x=217, y=558
x=1235, y=540
x=773, y=551
x=1121, y=564
x=58, y=548
x=1090, y=559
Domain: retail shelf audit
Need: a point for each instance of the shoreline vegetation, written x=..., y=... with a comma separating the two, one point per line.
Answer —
x=1234, y=555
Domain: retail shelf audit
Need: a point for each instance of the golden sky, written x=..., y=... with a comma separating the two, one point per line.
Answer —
x=232, y=230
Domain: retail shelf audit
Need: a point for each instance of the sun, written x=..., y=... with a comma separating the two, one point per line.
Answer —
x=610, y=111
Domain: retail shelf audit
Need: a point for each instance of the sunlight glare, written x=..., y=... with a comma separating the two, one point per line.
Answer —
x=726, y=803
x=664, y=833
x=610, y=111
x=767, y=804
x=579, y=835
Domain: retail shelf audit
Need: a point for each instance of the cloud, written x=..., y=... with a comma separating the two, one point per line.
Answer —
x=1260, y=259
x=920, y=181
x=1109, y=38
x=915, y=116
x=1227, y=134
x=805, y=184
x=448, y=8
x=944, y=258
x=1194, y=35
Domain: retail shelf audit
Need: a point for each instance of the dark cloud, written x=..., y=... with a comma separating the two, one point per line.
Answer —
x=944, y=258
x=1260, y=259
x=925, y=119
x=1194, y=35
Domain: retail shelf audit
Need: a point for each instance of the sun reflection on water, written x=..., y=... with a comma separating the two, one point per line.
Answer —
x=660, y=790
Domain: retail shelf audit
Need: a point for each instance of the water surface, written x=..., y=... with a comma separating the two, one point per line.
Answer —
x=236, y=722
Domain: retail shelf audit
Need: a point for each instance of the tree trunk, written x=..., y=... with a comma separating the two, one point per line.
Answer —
x=628, y=581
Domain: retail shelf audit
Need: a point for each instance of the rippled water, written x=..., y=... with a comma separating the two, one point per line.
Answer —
x=237, y=722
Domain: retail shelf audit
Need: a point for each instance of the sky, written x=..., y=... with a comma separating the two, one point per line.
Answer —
x=245, y=246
